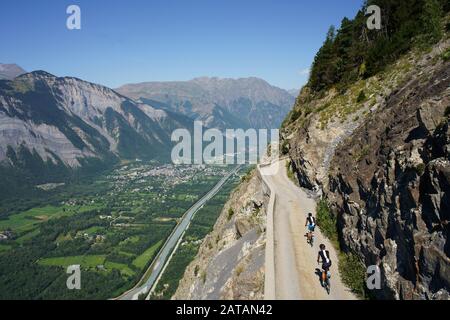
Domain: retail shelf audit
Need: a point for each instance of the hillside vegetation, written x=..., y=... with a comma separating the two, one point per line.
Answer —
x=354, y=52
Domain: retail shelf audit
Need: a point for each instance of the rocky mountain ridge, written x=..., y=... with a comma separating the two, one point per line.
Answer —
x=219, y=103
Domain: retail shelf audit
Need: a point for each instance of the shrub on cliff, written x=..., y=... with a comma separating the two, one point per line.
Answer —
x=353, y=273
x=327, y=222
x=352, y=269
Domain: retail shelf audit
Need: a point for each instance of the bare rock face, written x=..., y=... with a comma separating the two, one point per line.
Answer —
x=393, y=201
x=68, y=120
x=230, y=262
x=387, y=179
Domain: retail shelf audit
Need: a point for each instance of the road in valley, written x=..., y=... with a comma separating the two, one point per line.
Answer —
x=295, y=262
x=152, y=273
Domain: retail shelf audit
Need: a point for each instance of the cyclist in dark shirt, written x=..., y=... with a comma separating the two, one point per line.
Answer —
x=324, y=255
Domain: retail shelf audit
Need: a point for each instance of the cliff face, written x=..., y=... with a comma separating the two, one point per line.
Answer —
x=67, y=120
x=390, y=187
x=230, y=262
x=382, y=159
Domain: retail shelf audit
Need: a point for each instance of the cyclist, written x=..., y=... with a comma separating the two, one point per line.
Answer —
x=324, y=255
x=311, y=225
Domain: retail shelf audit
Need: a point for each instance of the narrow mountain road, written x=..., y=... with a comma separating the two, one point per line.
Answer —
x=296, y=261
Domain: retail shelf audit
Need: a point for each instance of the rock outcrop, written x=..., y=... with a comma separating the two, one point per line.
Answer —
x=230, y=262
x=390, y=188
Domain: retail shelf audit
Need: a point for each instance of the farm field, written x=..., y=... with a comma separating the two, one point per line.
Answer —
x=141, y=261
x=112, y=226
x=84, y=261
x=27, y=220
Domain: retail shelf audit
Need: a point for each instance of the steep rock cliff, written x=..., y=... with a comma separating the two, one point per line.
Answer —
x=390, y=188
x=380, y=154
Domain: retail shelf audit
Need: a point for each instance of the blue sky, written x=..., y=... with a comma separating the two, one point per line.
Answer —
x=161, y=40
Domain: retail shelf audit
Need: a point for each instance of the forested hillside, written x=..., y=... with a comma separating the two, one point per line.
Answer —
x=353, y=51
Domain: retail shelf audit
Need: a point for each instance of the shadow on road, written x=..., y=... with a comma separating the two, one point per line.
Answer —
x=318, y=273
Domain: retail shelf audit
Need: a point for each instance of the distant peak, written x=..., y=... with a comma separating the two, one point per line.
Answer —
x=219, y=79
x=10, y=71
x=42, y=73
x=39, y=74
x=206, y=79
x=6, y=66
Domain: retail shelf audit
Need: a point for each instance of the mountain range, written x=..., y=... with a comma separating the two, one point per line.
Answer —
x=50, y=124
x=68, y=121
x=218, y=103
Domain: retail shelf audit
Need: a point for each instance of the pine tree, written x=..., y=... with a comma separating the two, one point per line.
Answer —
x=324, y=67
x=431, y=21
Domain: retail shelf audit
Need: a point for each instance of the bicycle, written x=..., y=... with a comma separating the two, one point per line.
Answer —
x=325, y=276
x=310, y=238
x=310, y=227
x=326, y=283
